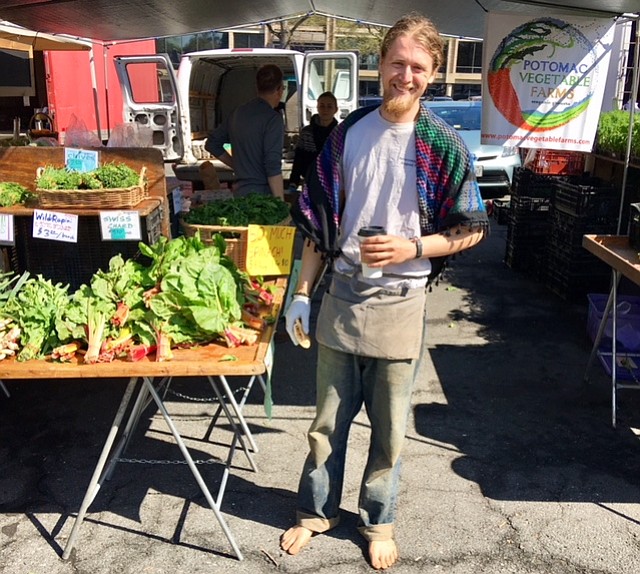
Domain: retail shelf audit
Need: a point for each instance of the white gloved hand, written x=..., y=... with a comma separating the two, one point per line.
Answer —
x=299, y=310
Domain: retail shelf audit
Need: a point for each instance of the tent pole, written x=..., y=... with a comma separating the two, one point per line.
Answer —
x=632, y=108
x=94, y=85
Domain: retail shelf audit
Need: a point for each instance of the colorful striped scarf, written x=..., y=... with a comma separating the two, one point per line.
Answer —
x=448, y=193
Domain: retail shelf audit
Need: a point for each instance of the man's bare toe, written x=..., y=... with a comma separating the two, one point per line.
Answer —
x=382, y=553
x=294, y=539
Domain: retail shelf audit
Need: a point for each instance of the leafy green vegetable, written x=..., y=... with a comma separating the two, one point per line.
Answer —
x=613, y=131
x=12, y=193
x=240, y=211
x=36, y=307
x=107, y=176
x=10, y=284
x=195, y=297
x=99, y=311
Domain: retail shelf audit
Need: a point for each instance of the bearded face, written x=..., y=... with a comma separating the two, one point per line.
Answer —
x=398, y=105
x=406, y=70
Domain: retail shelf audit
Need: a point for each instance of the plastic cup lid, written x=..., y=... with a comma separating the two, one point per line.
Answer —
x=371, y=230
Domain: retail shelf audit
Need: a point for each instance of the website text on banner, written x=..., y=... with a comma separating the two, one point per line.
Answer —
x=544, y=80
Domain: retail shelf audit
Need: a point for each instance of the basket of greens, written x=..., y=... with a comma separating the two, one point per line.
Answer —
x=110, y=186
x=231, y=218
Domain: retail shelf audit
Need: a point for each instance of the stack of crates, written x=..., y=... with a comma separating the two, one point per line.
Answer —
x=528, y=221
x=586, y=206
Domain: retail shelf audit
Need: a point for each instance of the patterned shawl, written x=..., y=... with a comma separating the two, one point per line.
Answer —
x=448, y=193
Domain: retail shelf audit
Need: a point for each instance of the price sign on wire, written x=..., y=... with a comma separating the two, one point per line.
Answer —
x=6, y=229
x=80, y=159
x=270, y=249
x=120, y=225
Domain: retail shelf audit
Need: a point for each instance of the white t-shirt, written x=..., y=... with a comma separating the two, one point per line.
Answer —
x=379, y=179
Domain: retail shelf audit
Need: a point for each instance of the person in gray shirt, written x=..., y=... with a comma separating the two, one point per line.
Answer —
x=255, y=131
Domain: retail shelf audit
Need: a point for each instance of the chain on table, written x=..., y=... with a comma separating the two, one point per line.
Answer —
x=152, y=461
x=188, y=398
x=202, y=399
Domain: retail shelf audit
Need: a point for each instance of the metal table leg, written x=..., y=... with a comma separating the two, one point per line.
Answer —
x=98, y=476
x=194, y=470
x=615, y=279
x=237, y=433
x=237, y=409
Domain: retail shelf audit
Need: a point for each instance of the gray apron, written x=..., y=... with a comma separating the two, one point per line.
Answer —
x=371, y=321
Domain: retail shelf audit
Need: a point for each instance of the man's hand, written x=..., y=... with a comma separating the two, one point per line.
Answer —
x=382, y=250
x=297, y=321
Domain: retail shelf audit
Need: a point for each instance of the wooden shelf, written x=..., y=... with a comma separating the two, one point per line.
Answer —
x=19, y=164
x=616, y=252
x=145, y=207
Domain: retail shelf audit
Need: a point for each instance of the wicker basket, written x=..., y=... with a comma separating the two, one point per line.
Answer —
x=111, y=198
x=236, y=245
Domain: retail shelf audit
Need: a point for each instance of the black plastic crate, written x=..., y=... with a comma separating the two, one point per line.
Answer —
x=569, y=229
x=530, y=258
x=501, y=208
x=534, y=224
x=594, y=200
x=523, y=205
x=527, y=183
x=75, y=263
x=571, y=276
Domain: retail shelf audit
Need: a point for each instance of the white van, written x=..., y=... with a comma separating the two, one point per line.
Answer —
x=182, y=110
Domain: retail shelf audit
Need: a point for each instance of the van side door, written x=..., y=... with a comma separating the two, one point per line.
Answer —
x=335, y=72
x=151, y=100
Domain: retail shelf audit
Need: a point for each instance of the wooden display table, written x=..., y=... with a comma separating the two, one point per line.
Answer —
x=616, y=252
x=210, y=362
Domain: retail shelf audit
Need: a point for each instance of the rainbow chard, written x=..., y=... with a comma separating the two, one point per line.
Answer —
x=86, y=318
x=191, y=296
x=35, y=309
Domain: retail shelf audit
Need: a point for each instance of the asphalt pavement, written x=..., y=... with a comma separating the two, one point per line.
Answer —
x=511, y=462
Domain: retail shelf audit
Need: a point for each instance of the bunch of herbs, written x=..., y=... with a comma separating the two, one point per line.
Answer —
x=108, y=176
x=240, y=211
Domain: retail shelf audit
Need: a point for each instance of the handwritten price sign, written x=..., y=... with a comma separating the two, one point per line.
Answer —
x=55, y=226
x=80, y=159
x=120, y=225
x=269, y=249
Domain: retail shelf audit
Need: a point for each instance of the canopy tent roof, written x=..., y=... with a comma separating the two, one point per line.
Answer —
x=111, y=20
x=40, y=40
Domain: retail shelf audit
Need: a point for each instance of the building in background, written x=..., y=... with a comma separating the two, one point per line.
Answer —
x=459, y=78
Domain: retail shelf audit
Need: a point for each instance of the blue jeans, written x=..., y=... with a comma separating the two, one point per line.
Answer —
x=344, y=383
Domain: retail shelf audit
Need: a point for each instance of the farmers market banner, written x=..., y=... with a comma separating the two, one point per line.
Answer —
x=544, y=80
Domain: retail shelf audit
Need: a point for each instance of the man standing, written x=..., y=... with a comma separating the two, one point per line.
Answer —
x=255, y=131
x=400, y=168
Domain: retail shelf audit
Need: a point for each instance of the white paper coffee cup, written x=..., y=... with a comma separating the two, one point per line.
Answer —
x=363, y=233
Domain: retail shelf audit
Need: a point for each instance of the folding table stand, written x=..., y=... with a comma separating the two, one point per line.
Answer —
x=616, y=252
x=149, y=388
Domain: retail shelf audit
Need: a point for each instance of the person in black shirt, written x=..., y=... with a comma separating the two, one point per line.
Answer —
x=312, y=138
